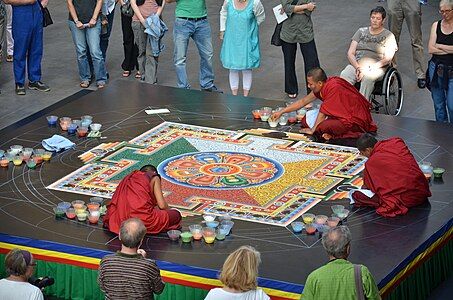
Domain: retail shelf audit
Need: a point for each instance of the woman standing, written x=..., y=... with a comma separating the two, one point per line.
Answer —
x=440, y=66
x=130, y=47
x=147, y=63
x=85, y=27
x=298, y=28
x=239, y=21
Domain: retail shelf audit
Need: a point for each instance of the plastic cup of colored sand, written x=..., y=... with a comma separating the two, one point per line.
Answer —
x=321, y=219
x=77, y=122
x=81, y=209
x=438, y=172
x=343, y=214
x=70, y=213
x=46, y=156
x=310, y=229
x=52, y=120
x=17, y=160
x=4, y=163
x=174, y=234
x=212, y=224
x=220, y=235
x=97, y=200
x=228, y=225
x=195, y=230
x=297, y=226
x=77, y=204
x=64, y=205
x=37, y=159
x=264, y=115
x=266, y=109
x=81, y=216
x=82, y=131
x=31, y=164
x=72, y=128
x=333, y=221
x=93, y=206
x=27, y=152
x=39, y=151
x=272, y=123
x=308, y=218
x=223, y=229
x=59, y=212
x=93, y=217
x=337, y=208
x=208, y=235
x=95, y=127
x=256, y=114
x=15, y=149
x=87, y=117
x=186, y=237
x=208, y=217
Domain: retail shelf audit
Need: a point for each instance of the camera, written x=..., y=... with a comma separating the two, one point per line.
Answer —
x=41, y=282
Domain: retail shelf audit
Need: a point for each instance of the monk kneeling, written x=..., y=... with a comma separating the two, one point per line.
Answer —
x=393, y=175
x=139, y=195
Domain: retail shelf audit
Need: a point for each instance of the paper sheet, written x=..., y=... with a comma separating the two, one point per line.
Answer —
x=157, y=111
x=279, y=17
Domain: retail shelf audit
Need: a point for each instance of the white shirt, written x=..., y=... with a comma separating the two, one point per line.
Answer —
x=108, y=6
x=221, y=294
x=14, y=290
x=258, y=11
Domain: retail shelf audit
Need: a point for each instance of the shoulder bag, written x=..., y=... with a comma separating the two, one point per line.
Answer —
x=275, y=39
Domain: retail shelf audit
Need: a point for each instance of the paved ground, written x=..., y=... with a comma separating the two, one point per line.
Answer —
x=335, y=22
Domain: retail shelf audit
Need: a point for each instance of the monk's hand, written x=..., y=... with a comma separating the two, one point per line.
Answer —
x=141, y=252
x=307, y=131
x=276, y=115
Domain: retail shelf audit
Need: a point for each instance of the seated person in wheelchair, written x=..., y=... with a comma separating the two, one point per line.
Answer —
x=371, y=51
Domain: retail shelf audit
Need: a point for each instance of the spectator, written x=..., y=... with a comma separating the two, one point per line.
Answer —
x=6, y=18
x=336, y=279
x=411, y=10
x=440, y=67
x=108, y=10
x=239, y=277
x=20, y=267
x=85, y=27
x=298, y=28
x=239, y=21
x=371, y=51
x=28, y=46
x=130, y=47
x=127, y=274
x=147, y=62
x=191, y=22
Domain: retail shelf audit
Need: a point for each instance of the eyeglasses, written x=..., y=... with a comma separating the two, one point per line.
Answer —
x=33, y=264
x=445, y=11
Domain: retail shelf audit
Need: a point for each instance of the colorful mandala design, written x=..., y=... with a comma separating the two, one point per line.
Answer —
x=220, y=170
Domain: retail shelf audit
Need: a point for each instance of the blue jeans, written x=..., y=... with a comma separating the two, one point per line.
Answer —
x=443, y=99
x=88, y=37
x=200, y=32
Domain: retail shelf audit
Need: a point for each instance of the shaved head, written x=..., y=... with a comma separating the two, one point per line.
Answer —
x=317, y=74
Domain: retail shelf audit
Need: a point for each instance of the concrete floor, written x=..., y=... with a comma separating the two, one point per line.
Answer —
x=335, y=22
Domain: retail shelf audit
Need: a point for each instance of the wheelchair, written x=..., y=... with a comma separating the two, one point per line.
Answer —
x=388, y=93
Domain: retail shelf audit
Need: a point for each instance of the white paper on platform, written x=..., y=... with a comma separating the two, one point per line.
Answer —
x=157, y=111
x=367, y=193
x=310, y=117
x=278, y=16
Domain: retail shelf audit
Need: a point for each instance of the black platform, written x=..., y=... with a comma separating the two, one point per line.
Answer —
x=380, y=244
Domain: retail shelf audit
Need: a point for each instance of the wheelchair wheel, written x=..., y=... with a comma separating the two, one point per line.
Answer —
x=393, y=92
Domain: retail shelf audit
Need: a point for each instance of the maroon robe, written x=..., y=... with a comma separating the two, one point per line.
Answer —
x=393, y=174
x=348, y=111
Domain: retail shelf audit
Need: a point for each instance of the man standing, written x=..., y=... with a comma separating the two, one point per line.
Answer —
x=393, y=175
x=191, y=22
x=336, y=279
x=371, y=51
x=28, y=43
x=127, y=274
x=411, y=11
x=344, y=112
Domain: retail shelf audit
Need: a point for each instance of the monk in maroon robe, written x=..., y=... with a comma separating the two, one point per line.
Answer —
x=139, y=195
x=344, y=112
x=392, y=173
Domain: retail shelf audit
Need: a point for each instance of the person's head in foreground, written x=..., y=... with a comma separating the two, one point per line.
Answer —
x=377, y=17
x=337, y=242
x=150, y=170
x=240, y=270
x=20, y=264
x=316, y=78
x=446, y=9
x=366, y=143
x=132, y=232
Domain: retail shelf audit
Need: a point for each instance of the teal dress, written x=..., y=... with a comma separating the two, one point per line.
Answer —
x=241, y=45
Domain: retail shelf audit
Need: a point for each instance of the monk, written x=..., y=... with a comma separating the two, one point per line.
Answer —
x=139, y=195
x=344, y=112
x=392, y=173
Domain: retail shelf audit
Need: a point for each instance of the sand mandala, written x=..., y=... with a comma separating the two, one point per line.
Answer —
x=251, y=177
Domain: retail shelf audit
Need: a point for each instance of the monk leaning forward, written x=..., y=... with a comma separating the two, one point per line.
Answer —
x=139, y=195
x=393, y=175
x=343, y=114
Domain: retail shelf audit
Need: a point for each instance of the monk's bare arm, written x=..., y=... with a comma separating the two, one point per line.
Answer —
x=156, y=186
x=296, y=105
x=321, y=117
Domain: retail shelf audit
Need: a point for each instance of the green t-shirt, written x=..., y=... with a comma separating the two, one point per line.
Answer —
x=191, y=9
x=335, y=280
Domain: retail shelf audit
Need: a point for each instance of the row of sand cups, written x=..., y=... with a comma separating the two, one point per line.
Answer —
x=265, y=114
x=213, y=230
x=17, y=154
x=72, y=126
x=78, y=209
x=320, y=223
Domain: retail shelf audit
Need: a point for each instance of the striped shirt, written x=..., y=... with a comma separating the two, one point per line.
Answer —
x=125, y=276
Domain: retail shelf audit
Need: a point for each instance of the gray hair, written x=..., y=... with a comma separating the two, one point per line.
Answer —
x=446, y=3
x=336, y=241
x=132, y=232
x=16, y=262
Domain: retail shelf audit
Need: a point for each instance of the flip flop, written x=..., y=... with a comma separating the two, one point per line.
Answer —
x=84, y=84
x=138, y=75
x=126, y=73
x=292, y=96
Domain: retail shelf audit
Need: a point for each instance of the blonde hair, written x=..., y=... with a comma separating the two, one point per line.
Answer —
x=446, y=3
x=240, y=270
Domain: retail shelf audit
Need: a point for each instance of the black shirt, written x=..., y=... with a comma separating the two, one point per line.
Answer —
x=84, y=10
x=444, y=39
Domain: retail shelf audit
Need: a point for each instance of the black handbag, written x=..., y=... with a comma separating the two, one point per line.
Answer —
x=275, y=39
x=46, y=18
x=126, y=9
